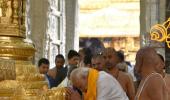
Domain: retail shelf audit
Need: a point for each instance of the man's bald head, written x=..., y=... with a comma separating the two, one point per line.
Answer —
x=149, y=55
x=78, y=73
x=146, y=57
x=79, y=78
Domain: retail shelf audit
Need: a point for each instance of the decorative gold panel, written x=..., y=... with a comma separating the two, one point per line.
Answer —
x=12, y=18
x=19, y=79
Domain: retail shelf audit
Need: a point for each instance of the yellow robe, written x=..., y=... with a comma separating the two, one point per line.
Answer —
x=91, y=93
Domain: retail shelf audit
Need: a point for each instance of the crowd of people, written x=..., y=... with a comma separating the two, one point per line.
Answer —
x=107, y=76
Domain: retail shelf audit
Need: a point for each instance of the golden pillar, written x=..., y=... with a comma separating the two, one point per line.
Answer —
x=19, y=79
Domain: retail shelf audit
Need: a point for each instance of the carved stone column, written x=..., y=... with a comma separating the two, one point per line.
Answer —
x=152, y=12
x=72, y=36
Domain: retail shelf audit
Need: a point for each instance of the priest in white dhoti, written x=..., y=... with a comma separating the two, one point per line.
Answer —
x=96, y=85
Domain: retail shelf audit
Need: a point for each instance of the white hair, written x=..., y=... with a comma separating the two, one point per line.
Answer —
x=78, y=73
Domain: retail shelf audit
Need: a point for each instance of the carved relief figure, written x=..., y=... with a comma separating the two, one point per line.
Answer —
x=3, y=6
x=15, y=16
x=5, y=11
x=9, y=9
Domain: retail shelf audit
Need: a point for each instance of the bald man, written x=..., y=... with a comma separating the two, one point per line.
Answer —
x=96, y=85
x=165, y=75
x=167, y=80
x=152, y=85
x=126, y=82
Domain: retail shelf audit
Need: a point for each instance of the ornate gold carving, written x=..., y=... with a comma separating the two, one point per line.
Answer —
x=9, y=84
x=12, y=30
x=15, y=16
x=3, y=6
x=27, y=70
x=56, y=94
x=34, y=85
x=15, y=48
x=7, y=70
x=12, y=17
x=23, y=12
x=21, y=79
x=160, y=32
x=30, y=77
x=5, y=11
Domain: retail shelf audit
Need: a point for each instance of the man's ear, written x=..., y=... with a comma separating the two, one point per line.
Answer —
x=162, y=64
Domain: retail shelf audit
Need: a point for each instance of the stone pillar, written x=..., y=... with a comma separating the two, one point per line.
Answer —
x=152, y=12
x=167, y=50
x=72, y=37
x=38, y=24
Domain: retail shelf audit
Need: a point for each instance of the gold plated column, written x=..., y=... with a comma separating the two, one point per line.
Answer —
x=19, y=79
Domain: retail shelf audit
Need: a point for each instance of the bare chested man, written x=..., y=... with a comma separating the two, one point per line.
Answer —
x=166, y=76
x=152, y=85
x=111, y=60
x=167, y=80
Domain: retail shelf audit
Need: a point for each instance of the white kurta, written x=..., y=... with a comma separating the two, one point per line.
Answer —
x=108, y=88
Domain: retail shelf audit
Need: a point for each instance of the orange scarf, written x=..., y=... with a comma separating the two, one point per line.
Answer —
x=92, y=85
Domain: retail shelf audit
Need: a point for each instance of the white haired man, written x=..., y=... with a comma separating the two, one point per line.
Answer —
x=96, y=85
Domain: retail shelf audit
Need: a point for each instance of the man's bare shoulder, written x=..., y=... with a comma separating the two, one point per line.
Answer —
x=167, y=79
x=156, y=88
x=168, y=75
x=125, y=76
x=155, y=82
x=156, y=77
